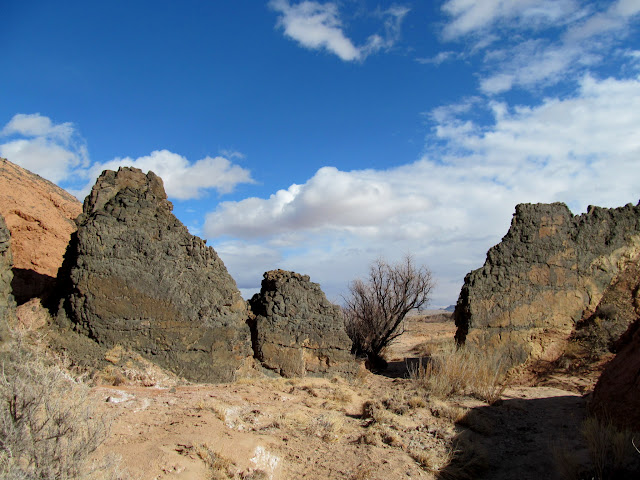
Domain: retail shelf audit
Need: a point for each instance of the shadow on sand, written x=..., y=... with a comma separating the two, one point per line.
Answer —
x=528, y=438
x=401, y=368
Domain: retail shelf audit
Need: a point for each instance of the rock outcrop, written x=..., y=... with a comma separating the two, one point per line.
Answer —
x=548, y=272
x=138, y=279
x=7, y=304
x=296, y=330
x=599, y=333
x=617, y=394
x=41, y=218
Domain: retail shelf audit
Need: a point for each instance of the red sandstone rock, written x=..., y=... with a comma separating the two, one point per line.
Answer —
x=617, y=393
x=41, y=218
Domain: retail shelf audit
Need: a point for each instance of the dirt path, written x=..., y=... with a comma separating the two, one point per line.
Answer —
x=281, y=429
x=530, y=434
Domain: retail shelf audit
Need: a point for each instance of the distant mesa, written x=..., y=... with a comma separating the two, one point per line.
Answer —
x=549, y=272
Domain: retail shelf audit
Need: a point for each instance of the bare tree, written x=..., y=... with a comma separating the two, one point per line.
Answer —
x=375, y=309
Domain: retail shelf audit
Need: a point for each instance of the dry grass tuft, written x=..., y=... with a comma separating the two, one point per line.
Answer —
x=463, y=371
x=462, y=460
x=611, y=450
x=219, y=467
x=329, y=428
x=454, y=413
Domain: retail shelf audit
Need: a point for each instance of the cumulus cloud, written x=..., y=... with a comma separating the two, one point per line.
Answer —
x=58, y=153
x=330, y=199
x=538, y=43
x=318, y=26
x=54, y=151
x=455, y=202
x=182, y=179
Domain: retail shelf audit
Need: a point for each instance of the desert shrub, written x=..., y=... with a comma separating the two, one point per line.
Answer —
x=48, y=425
x=375, y=309
x=462, y=370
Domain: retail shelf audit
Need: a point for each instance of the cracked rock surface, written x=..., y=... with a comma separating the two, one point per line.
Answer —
x=551, y=269
x=296, y=330
x=135, y=277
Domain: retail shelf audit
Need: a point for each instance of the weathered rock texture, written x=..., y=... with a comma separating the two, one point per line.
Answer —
x=600, y=332
x=7, y=304
x=296, y=330
x=41, y=217
x=138, y=279
x=617, y=393
x=549, y=271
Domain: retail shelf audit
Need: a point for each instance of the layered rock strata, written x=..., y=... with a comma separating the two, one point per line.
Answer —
x=41, y=218
x=296, y=330
x=138, y=279
x=550, y=270
x=7, y=303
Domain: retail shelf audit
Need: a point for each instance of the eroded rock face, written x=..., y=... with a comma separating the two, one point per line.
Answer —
x=41, y=218
x=617, y=393
x=138, y=279
x=600, y=332
x=296, y=330
x=550, y=270
x=7, y=303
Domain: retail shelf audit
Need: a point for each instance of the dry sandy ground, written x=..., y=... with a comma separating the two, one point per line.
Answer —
x=283, y=429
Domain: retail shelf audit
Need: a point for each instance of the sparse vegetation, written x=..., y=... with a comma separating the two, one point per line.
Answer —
x=462, y=370
x=48, y=424
x=375, y=309
x=610, y=449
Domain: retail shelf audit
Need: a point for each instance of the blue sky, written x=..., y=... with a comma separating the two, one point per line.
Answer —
x=318, y=136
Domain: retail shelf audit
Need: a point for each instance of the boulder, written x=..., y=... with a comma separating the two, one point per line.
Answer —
x=41, y=217
x=135, y=277
x=7, y=303
x=549, y=271
x=296, y=330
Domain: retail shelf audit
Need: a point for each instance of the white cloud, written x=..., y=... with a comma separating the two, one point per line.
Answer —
x=538, y=44
x=330, y=199
x=319, y=26
x=449, y=207
x=59, y=154
x=53, y=151
x=472, y=16
x=182, y=178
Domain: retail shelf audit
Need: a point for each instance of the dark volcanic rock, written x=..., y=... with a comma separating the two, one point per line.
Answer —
x=137, y=278
x=617, y=393
x=549, y=271
x=7, y=303
x=297, y=331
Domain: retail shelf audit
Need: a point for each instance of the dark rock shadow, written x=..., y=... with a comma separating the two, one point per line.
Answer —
x=527, y=439
x=28, y=284
x=401, y=368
